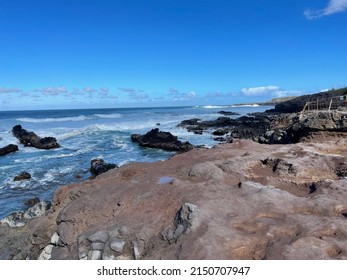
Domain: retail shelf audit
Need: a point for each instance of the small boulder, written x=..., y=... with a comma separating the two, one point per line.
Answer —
x=220, y=132
x=99, y=236
x=32, y=201
x=117, y=244
x=23, y=176
x=228, y=113
x=8, y=149
x=98, y=166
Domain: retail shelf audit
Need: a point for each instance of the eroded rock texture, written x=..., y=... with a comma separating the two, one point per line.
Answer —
x=236, y=201
x=28, y=138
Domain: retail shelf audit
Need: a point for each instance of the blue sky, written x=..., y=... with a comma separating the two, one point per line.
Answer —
x=112, y=53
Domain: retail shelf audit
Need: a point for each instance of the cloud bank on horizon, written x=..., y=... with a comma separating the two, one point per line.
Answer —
x=132, y=96
x=333, y=7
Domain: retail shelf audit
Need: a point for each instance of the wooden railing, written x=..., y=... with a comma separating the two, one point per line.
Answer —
x=326, y=104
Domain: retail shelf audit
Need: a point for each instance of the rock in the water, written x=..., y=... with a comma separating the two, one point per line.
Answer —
x=8, y=149
x=228, y=113
x=161, y=140
x=30, y=139
x=23, y=176
x=98, y=166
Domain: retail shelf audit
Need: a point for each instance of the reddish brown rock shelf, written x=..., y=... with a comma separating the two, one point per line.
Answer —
x=236, y=201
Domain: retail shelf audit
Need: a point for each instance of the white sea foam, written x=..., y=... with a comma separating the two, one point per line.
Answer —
x=108, y=116
x=7, y=138
x=245, y=105
x=47, y=120
x=213, y=106
x=70, y=119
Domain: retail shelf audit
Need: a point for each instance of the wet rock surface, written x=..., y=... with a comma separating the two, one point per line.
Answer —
x=22, y=176
x=30, y=139
x=11, y=148
x=236, y=201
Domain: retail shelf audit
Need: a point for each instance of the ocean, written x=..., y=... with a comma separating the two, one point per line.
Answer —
x=85, y=134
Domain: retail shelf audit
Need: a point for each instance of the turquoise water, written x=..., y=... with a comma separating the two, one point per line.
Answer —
x=85, y=134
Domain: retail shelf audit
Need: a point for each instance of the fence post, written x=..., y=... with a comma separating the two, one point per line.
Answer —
x=331, y=101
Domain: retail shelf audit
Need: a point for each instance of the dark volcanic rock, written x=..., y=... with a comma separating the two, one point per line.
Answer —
x=32, y=140
x=8, y=149
x=194, y=121
x=98, y=166
x=161, y=140
x=332, y=121
x=228, y=139
x=277, y=136
x=298, y=103
x=228, y=113
x=32, y=201
x=247, y=127
x=220, y=132
x=279, y=165
x=22, y=176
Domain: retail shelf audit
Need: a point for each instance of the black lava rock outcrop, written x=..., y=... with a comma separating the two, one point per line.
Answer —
x=246, y=127
x=30, y=139
x=8, y=149
x=228, y=113
x=161, y=140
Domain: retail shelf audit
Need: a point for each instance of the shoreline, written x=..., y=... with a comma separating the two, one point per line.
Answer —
x=273, y=199
x=136, y=205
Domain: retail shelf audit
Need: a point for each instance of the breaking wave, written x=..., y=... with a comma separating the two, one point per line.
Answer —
x=70, y=119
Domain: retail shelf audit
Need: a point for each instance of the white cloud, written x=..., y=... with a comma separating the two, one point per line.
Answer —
x=127, y=90
x=215, y=94
x=269, y=91
x=136, y=95
x=173, y=91
x=182, y=96
x=333, y=7
x=191, y=94
x=51, y=91
x=259, y=91
x=104, y=91
x=90, y=89
x=10, y=90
